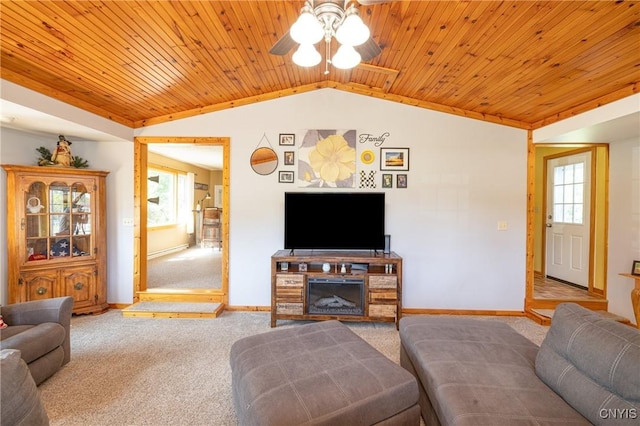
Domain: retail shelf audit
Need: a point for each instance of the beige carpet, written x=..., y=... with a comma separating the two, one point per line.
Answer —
x=145, y=371
x=194, y=267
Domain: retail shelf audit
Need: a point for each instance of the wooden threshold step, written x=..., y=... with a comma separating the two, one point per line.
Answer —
x=180, y=295
x=173, y=310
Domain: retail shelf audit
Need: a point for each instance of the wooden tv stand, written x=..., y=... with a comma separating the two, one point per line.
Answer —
x=302, y=290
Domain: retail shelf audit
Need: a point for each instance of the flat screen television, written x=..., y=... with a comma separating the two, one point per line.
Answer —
x=334, y=220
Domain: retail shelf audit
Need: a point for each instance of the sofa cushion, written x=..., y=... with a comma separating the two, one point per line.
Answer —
x=20, y=402
x=480, y=372
x=33, y=341
x=13, y=330
x=593, y=363
x=319, y=373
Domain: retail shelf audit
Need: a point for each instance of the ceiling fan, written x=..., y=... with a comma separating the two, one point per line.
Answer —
x=321, y=20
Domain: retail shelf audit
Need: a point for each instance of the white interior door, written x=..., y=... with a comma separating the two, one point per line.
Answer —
x=568, y=218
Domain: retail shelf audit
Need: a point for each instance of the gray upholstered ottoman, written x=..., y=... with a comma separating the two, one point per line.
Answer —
x=322, y=374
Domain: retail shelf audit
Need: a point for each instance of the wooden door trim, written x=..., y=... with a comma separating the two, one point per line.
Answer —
x=531, y=175
x=140, y=208
x=592, y=205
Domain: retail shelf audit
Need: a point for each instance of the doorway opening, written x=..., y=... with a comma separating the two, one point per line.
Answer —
x=216, y=292
x=568, y=221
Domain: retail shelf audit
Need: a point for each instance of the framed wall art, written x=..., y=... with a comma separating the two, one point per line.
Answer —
x=287, y=139
x=401, y=181
x=289, y=158
x=394, y=159
x=387, y=180
x=285, y=176
x=327, y=159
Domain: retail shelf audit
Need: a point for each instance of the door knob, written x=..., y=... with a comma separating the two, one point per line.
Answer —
x=549, y=225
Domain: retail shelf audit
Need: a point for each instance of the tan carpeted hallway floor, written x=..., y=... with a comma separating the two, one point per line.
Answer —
x=194, y=267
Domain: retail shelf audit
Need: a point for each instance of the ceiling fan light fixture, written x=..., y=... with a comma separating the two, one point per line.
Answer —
x=307, y=29
x=346, y=57
x=306, y=56
x=352, y=31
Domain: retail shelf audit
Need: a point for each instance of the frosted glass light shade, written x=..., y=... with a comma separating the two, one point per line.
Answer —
x=346, y=57
x=307, y=29
x=352, y=32
x=306, y=56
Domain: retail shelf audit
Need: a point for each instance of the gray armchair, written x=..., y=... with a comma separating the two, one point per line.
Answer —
x=40, y=330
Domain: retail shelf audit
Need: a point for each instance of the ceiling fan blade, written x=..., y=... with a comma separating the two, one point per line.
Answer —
x=368, y=50
x=283, y=46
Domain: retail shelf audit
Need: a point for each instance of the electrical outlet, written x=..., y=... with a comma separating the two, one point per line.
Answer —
x=502, y=225
x=127, y=221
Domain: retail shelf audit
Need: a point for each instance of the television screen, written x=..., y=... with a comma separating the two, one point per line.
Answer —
x=334, y=221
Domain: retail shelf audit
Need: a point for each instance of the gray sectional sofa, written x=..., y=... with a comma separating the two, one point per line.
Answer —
x=20, y=403
x=482, y=372
x=321, y=374
x=40, y=330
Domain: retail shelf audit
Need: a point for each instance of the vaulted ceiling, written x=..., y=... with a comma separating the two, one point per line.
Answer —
x=520, y=63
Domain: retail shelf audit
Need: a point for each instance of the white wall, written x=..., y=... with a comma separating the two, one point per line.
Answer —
x=465, y=176
x=624, y=223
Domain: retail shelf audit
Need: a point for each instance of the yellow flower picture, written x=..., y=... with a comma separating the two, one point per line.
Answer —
x=327, y=158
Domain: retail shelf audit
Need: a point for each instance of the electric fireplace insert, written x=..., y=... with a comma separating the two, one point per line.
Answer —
x=335, y=296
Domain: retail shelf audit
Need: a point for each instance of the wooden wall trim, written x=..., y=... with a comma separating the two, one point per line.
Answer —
x=351, y=88
x=23, y=81
x=378, y=93
x=140, y=214
x=239, y=308
x=231, y=104
x=485, y=312
x=348, y=87
x=531, y=217
x=611, y=97
x=405, y=311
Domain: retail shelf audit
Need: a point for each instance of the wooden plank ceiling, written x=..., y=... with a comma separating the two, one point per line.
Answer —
x=521, y=63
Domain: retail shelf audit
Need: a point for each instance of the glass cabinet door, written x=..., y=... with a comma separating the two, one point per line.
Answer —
x=37, y=221
x=59, y=220
x=81, y=220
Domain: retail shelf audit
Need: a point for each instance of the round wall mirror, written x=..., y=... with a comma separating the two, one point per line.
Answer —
x=264, y=161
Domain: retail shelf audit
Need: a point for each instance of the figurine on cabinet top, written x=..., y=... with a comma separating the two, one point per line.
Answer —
x=62, y=155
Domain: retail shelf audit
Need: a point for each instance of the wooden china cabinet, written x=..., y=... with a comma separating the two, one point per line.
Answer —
x=56, y=235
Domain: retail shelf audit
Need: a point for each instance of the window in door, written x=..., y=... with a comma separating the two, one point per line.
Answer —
x=568, y=193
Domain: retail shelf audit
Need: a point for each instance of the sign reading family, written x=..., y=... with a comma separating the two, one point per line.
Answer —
x=377, y=140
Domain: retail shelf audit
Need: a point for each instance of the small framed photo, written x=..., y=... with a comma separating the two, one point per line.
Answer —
x=289, y=158
x=285, y=176
x=302, y=267
x=288, y=139
x=387, y=180
x=394, y=159
x=635, y=269
x=401, y=181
